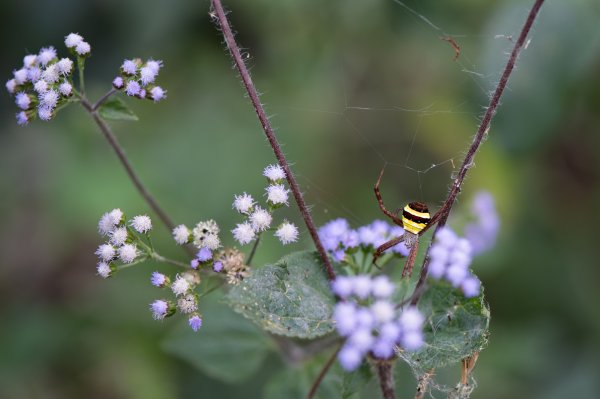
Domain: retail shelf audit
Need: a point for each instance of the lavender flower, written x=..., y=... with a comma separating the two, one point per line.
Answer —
x=204, y=255
x=483, y=232
x=161, y=309
x=128, y=253
x=104, y=270
x=159, y=280
x=195, y=322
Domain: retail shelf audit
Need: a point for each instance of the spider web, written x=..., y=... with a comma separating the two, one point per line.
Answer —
x=417, y=168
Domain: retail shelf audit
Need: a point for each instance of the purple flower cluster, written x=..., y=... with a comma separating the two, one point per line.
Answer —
x=450, y=258
x=186, y=301
x=44, y=82
x=339, y=239
x=137, y=79
x=370, y=322
x=483, y=232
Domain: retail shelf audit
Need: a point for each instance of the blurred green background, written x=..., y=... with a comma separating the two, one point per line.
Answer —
x=351, y=85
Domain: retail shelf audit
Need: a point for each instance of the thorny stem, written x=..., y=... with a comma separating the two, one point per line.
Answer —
x=324, y=370
x=234, y=51
x=386, y=379
x=481, y=133
x=112, y=140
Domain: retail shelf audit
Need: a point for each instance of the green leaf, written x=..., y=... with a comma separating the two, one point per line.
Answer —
x=291, y=297
x=456, y=327
x=354, y=382
x=227, y=346
x=116, y=109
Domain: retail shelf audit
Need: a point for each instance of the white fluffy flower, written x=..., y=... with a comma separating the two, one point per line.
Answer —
x=34, y=74
x=22, y=118
x=243, y=203
x=49, y=98
x=260, y=219
x=20, y=76
x=158, y=93
x=83, y=48
x=29, y=60
x=65, y=66
x=212, y=242
x=44, y=113
x=274, y=173
x=46, y=55
x=116, y=216
x=383, y=311
x=141, y=224
x=41, y=86
x=129, y=67
x=51, y=74
x=103, y=270
x=72, y=40
x=243, y=233
x=181, y=234
x=22, y=100
x=411, y=319
x=11, y=86
x=154, y=65
x=277, y=194
x=287, y=233
x=105, y=225
x=147, y=75
x=127, y=253
x=65, y=89
x=118, y=236
x=187, y=304
x=133, y=88
x=180, y=286
x=106, y=252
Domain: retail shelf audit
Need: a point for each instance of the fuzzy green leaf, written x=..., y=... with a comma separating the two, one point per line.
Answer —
x=291, y=297
x=223, y=336
x=455, y=328
x=116, y=109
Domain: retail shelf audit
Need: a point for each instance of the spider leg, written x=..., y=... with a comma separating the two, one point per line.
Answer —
x=410, y=261
x=385, y=246
x=389, y=214
x=434, y=219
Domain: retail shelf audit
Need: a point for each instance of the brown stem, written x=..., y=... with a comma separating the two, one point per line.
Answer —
x=112, y=140
x=234, y=51
x=481, y=132
x=326, y=367
x=386, y=379
x=253, y=251
x=102, y=99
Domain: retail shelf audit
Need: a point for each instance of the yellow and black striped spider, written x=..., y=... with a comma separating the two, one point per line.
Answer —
x=415, y=220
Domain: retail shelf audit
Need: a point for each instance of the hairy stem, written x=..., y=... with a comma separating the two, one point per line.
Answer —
x=264, y=121
x=322, y=373
x=112, y=140
x=481, y=133
x=386, y=379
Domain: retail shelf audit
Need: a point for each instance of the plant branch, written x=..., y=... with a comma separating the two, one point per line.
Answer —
x=324, y=370
x=103, y=99
x=253, y=251
x=112, y=140
x=481, y=133
x=234, y=51
x=386, y=379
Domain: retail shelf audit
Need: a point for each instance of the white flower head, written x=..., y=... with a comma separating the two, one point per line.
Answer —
x=65, y=66
x=103, y=269
x=41, y=86
x=274, y=173
x=287, y=233
x=260, y=219
x=180, y=286
x=154, y=65
x=277, y=194
x=181, y=234
x=116, y=216
x=44, y=113
x=83, y=48
x=105, y=225
x=203, y=230
x=243, y=233
x=49, y=98
x=147, y=75
x=141, y=224
x=129, y=67
x=118, y=236
x=243, y=203
x=34, y=74
x=212, y=242
x=65, y=89
x=11, y=86
x=187, y=304
x=383, y=311
x=133, y=88
x=20, y=76
x=46, y=55
x=158, y=93
x=160, y=309
x=128, y=253
x=22, y=118
x=411, y=319
x=106, y=252
x=51, y=74
x=22, y=100
x=72, y=40
x=29, y=60
x=118, y=82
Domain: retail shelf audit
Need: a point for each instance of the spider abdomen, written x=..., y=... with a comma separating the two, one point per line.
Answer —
x=415, y=216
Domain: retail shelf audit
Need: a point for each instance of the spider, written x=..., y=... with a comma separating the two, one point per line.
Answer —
x=415, y=220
